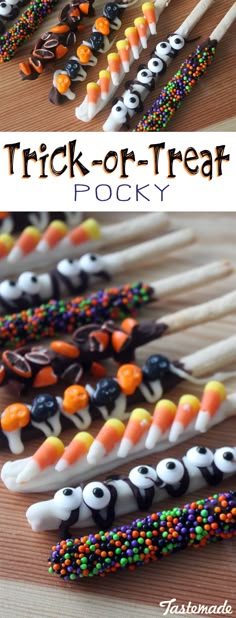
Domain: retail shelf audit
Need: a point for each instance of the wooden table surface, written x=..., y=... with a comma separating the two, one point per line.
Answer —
x=207, y=576
x=212, y=105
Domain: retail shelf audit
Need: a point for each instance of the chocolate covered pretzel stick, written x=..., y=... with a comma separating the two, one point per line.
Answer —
x=100, y=503
x=144, y=433
x=188, y=75
x=137, y=90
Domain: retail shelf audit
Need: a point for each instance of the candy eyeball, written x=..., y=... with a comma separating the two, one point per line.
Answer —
x=43, y=407
x=107, y=391
x=163, y=48
x=69, y=498
x=28, y=282
x=96, y=495
x=200, y=456
x=68, y=268
x=9, y=290
x=91, y=263
x=176, y=41
x=119, y=112
x=225, y=459
x=156, y=65
x=143, y=477
x=5, y=9
x=144, y=76
x=170, y=471
x=131, y=100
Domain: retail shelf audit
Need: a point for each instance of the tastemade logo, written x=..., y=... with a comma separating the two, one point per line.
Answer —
x=170, y=607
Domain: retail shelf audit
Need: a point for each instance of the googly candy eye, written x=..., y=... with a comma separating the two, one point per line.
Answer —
x=143, y=476
x=176, y=41
x=91, y=263
x=163, y=48
x=69, y=268
x=9, y=290
x=5, y=9
x=170, y=471
x=119, y=112
x=131, y=100
x=144, y=76
x=96, y=495
x=28, y=282
x=225, y=459
x=200, y=456
x=156, y=65
x=69, y=498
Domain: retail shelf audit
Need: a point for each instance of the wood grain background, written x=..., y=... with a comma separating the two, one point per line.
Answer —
x=208, y=576
x=25, y=105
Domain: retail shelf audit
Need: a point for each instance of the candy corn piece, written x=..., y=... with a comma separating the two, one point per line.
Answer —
x=162, y=420
x=6, y=244
x=133, y=38
x=139, y=422
x=78, y=448
x=213, y=397
x=187, y=410
x=88, y=230
x=106, y=440
x=26, y=243
x=141, y=27
x=46, y=456
x=104, y=82
x=93, y=95
x=55, y=232
x=148, y=9
x=114, y=63
x=123, y=49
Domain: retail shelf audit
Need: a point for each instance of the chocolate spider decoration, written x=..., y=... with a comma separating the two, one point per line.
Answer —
x=99, y=41
x=54, y=44
x=136, y=90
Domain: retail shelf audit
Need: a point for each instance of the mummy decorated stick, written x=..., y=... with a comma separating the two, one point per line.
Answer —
x=99, y=41
x=54, y=245
x=128, y=49
x=195, y=525
x=53, y=466
x=101, y=503
x=55, y=43
x=43, y=366
x=137, y=90
x=112, y=397
x=72, y=277
x=188, y=75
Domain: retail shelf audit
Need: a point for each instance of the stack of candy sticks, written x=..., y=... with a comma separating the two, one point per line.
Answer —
x=53, y=466
x=71, y=277
x=119, y=63
x=137, y=90
x=196, y=525
x=112, y=397
x=59, y=241
x=188, y=75
x=101, y=502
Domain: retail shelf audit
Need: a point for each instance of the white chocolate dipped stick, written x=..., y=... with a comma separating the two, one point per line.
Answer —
x=88, y=236
x=147, y=77
x=119, y=63
x=101, y=502
x=71, y=277
x=73, y=466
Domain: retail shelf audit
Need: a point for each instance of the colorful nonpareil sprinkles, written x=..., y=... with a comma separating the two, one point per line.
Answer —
x=179, y=87
x=158, y=535
x=59, y=316
x=24, y=27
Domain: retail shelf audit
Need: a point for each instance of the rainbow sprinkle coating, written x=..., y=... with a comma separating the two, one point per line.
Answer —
x=58, y=316
x=156, y=536
x=178, y=88
x=24, y=27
